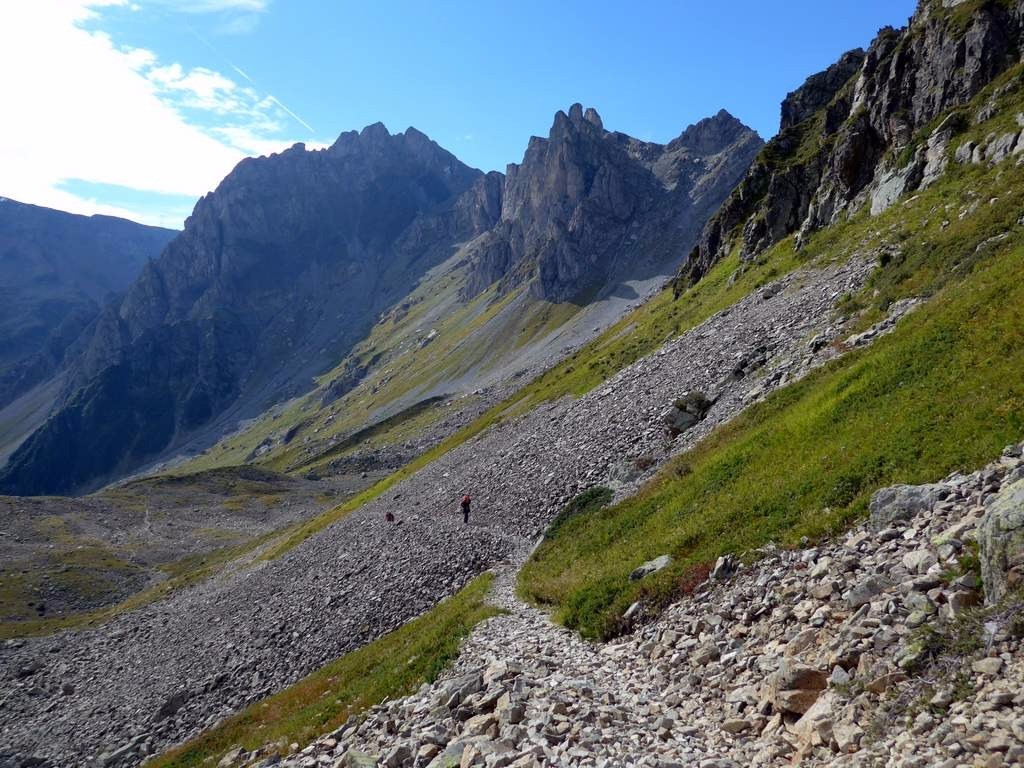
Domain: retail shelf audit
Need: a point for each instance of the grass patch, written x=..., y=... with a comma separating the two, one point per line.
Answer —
x=587, y=502
x=392, y=666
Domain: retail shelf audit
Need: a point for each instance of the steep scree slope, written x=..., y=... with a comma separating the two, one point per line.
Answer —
x=270, y=625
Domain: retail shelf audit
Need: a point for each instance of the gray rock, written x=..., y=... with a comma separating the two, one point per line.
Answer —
x=1001, y=541
x=651, y=566
x=398, y=756
x=356, y=759
x=725, y=568
x=865, y=591
x=1001, y=148
x=686, y=412
x=172, y=704
x=901, y=502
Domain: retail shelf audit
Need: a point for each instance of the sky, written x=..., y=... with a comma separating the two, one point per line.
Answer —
x=136, y=108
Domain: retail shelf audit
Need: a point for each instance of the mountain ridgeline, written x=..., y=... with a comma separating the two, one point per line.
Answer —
x=864, y=132
x=57, y=270
x=588, y=207
x=291, y=260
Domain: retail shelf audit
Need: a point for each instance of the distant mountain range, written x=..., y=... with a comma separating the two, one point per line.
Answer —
x=291, y=261
x=56, y=271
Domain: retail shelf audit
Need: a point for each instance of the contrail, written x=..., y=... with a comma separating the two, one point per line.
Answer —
x=282, y=106
x=252, y=82
x=240, y=71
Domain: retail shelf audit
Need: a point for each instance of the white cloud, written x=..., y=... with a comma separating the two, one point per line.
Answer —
x=212, y=6
x=77, y=106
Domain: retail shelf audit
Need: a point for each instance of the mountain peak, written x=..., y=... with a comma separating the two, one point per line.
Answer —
x=375, y=132
x=576, y=120
x=710, y=135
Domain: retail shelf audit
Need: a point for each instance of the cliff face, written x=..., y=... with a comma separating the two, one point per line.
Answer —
x=587, y=206
x=56, y=271
x=846, y=133
x=277, y=273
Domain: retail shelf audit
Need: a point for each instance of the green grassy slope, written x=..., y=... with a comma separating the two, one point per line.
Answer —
x=943, y=392
x=392, y=666
x=405, y=367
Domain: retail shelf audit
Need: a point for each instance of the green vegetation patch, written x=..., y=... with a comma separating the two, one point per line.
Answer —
x=392, y=666
x=587, y=502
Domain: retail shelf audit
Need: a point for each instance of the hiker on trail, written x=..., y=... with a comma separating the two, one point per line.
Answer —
x=465, y=508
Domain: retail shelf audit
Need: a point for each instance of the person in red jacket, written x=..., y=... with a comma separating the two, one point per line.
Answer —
x=466, y=501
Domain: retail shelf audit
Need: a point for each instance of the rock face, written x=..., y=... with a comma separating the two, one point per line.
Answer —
x=1001, y=541
x=588, y=207
x=277, y=274
x=56, y=272
x=283, y=268
x=843, y=133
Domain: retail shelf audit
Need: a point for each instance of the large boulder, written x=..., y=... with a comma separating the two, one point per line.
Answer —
x=902, y=502
x=686, y=412
x=1001, y=537
x=795, y=687
x=651, y=566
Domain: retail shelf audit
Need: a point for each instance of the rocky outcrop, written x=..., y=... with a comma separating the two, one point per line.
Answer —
x=276, y=275
x=819, y=90
x=846, y=133
x=588, y=207
x=1001, y=541
x=57, y=270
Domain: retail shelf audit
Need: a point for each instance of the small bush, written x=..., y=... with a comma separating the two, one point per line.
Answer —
x=693, y=577
x=644, y=461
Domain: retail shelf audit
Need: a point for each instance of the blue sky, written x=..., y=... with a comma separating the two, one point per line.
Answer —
x=137, y=107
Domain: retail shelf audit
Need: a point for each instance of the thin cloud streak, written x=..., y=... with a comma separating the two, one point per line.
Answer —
x=282, y=106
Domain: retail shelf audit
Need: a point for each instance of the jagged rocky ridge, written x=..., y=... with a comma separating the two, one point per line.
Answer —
x=588, y=207
x=860, y=133
x=57, y=270
x=277, y=274
x=294, y=256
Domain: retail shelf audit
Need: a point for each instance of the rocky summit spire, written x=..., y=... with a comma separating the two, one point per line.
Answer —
x=587, y=207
